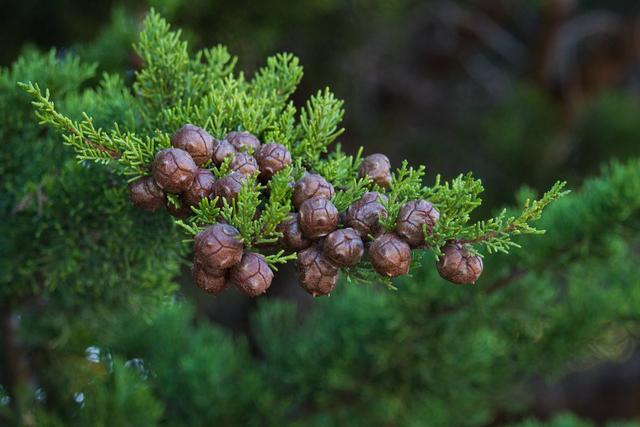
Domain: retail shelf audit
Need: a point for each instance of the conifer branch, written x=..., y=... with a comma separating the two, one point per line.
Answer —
x=77, y=131
x=495, y=233
x=281, y=257
x=318, y=126
x=175, y=88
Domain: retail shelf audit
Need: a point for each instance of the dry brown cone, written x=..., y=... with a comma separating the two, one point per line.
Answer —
x=317, y=217
x=378, y=168
x=201, y=188
x=311, y=185
x=218, y=247
x=146, y=194
x=174, y=170
x=413, y=218
x=252, y=275
x=272, y=158
x=292, y=238
x=208, y=281
x=390, y=255
x=228, y=187
x=222, y=150
x=195, y=141
x=458, y=265
x=344, y=247
x=317, y=275
x=365, y=215
x=244, y=163
x=243, y=141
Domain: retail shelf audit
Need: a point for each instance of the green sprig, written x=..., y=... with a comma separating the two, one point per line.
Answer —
x=174, y=88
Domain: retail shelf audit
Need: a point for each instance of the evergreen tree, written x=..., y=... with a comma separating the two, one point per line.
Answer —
x=175, y=89
x=88, y=301
x=72, y=247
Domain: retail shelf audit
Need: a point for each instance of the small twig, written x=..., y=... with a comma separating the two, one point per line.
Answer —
x=490, y=235
x=113, y=154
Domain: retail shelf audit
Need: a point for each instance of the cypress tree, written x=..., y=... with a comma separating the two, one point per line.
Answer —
x=88, y=302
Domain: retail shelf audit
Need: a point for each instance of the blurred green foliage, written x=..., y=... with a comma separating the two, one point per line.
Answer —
x=568, y=420
x=429, y=354
x=71, y=246
x=55, y=209
x=91, y=280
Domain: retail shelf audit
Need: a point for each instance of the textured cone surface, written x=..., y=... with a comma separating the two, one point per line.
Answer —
x=458, y=265
x=228, y=187
x=364, y=215
x=413, y=216
x=344, y=247
x=146, y=194
x=316, y=273
x=222, y=150
x=378, y=168
x=252, y=275
x=195, y=141
x=272, y=158
x=208, y=282
x=244, y=163
x=174, y=170
x=390, y=256
x=201, y=188
x=218, y=247
x=243, y=141
x=311, y=185
x=317, y=217
x=292, y=238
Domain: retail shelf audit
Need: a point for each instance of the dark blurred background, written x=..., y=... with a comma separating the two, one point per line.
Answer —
x=522, y=92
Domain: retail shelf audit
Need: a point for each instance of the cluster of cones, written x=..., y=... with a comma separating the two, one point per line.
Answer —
x=324, y=239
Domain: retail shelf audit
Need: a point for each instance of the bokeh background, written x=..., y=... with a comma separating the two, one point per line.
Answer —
x=522, y=92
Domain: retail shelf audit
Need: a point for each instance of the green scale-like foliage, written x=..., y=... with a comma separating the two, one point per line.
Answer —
x=72, y=248
x=568, y=420
x=428, y=355
x=174, y=88
x=68, y=227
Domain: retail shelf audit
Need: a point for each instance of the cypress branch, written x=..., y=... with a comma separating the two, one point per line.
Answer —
x=175, y=88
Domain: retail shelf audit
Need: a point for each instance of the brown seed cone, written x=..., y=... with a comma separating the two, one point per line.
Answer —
x=253, y=275
x=316, y=274
x=208, y=281
x=201, y=188
x=458, y=265
x=244, y=163
x=243, y=141
x=364, y=215
x=311, y=185
x=378, y=168
x=344, y=247
x=221, y=150
x=292, y=238
x=174, y=170
x=218, y=247
x=146, y=194
x=390, y=256
x=228, y=187
x=272, y=158
x=413, y=216
x=317, y=217
x=195, y=141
